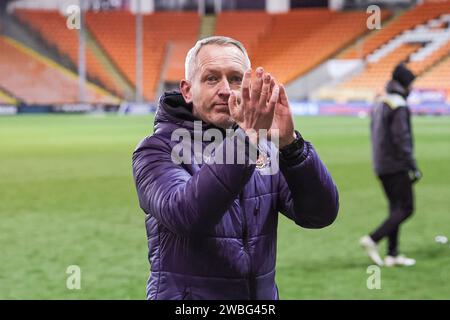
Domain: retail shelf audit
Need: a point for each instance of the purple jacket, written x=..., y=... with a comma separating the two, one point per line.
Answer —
x=212, y=228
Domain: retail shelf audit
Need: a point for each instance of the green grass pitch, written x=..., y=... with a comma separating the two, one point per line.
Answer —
x=67, y=197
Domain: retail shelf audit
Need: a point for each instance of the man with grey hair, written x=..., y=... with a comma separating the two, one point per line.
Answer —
x=211, y=226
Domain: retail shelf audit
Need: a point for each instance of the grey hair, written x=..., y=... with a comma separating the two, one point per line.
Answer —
x=191, y=57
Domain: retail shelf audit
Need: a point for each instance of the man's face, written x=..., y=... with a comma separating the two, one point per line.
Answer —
x=219, y=70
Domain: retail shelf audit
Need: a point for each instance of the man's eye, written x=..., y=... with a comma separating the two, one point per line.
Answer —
x=236, y=79
x=211, y=78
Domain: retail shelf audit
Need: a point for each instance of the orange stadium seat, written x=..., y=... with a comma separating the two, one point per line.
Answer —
x=37, y=81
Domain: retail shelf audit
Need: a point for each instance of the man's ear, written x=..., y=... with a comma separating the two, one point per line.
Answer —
x=185, y=88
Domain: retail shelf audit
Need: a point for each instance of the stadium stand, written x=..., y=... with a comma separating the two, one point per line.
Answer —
x=437, y=77
x=436, y=34
x=365, y=85
x=173, y=71
x=37, y=80
x=419, y=36
x=376, y=74
x=407, y=20
x=420, y=66
x=115, y=31
x=6, y=99
x=52, y=27
x=291, y=44
x=249, y=27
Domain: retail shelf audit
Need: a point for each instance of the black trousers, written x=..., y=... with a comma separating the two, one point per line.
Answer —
x=399, y=192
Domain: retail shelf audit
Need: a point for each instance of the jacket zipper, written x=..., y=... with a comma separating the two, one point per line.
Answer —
x=246, y=248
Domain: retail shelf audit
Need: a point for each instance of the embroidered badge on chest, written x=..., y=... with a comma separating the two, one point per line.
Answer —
x=263, y=161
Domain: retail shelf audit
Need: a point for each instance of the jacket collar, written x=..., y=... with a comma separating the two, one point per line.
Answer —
x=395, y=87
x=173, y=110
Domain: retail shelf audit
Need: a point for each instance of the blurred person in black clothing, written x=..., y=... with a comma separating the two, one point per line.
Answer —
x=394, y=164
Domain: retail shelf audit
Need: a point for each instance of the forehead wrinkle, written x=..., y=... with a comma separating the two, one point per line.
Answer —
x=235, y=66
x=212, y=59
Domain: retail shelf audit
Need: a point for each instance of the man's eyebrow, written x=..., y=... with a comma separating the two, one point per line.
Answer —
x=235, y=72
x=206, y=70
x=210, y=70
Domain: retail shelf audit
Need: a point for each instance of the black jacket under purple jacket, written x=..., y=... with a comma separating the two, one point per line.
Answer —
x=212, y=228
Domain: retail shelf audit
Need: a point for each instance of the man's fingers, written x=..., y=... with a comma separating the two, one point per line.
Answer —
x=272, y=84
x=283, y=96
x=232, y=104
x=257, y=82
x=246, y=83
x=265, y=90
x=273, y=98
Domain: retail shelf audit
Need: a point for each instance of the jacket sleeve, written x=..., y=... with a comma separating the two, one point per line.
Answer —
x=401, y=135
x=307, y=193
x=182, y=202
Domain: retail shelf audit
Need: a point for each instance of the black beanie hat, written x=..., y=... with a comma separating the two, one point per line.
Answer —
x=403, y=75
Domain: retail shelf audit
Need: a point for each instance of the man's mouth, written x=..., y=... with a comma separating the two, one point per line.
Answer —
x=223, y=107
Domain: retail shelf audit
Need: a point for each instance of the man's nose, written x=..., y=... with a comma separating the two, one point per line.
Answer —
x=224, y=89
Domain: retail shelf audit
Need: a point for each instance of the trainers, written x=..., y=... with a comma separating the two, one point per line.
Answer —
x=389, y=261
x=400, y=260
x=372, y=249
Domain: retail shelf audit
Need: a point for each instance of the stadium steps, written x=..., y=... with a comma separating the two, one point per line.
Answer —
x=109, y=67
x=207, y=26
